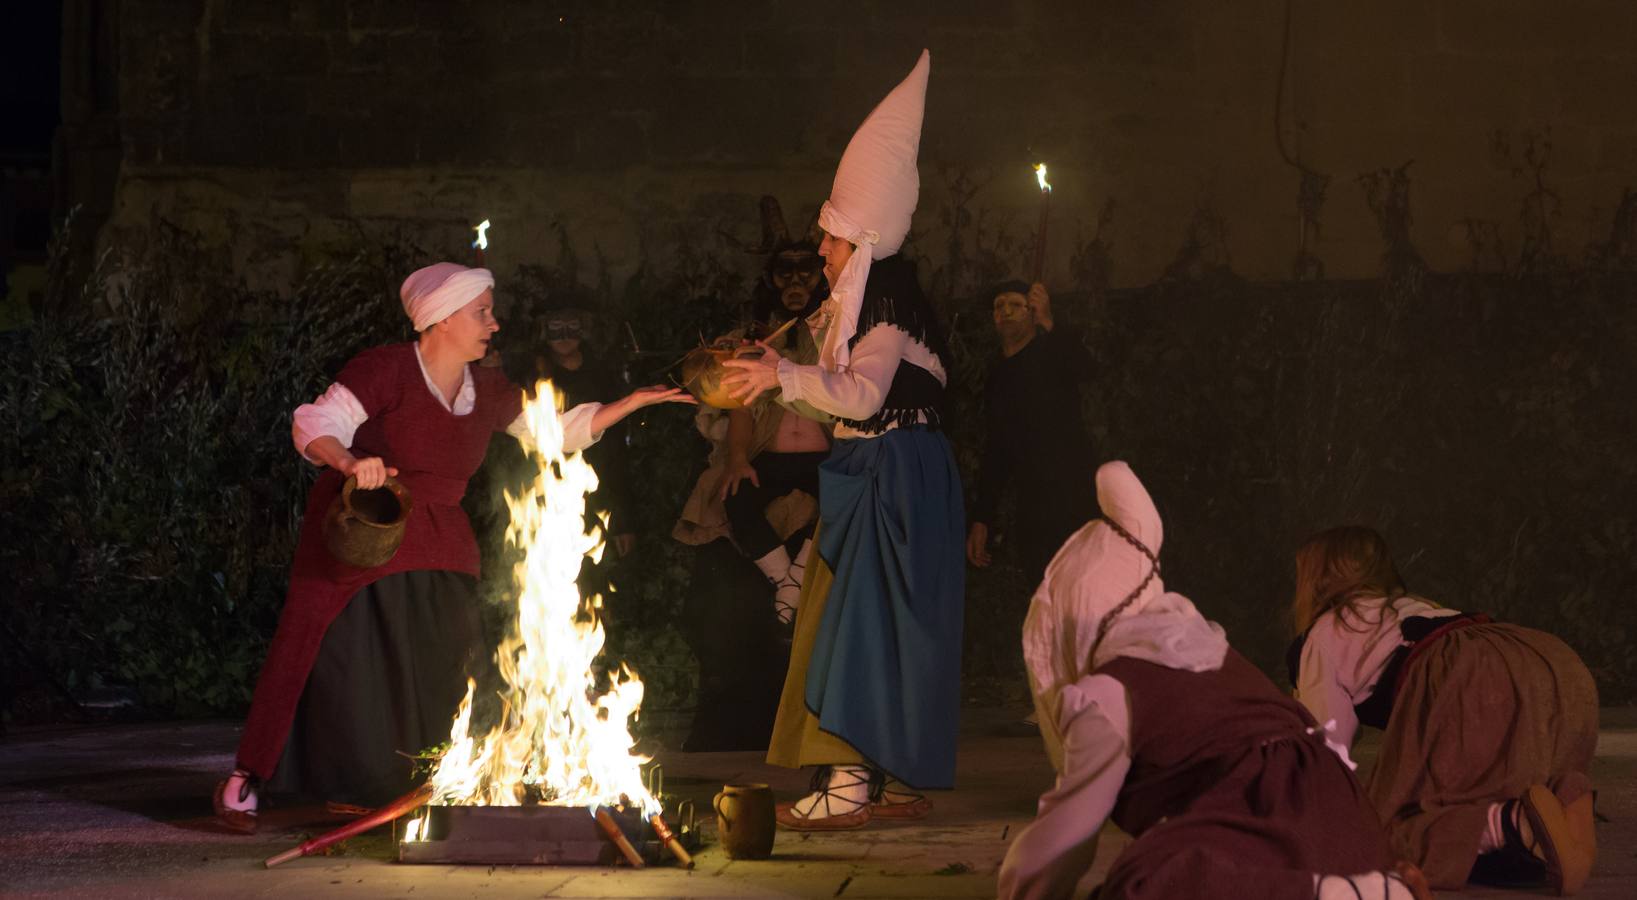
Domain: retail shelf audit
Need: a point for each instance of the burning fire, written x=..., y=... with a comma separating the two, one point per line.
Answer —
x=482, y=229
x=558, y=741
x=1039, y=174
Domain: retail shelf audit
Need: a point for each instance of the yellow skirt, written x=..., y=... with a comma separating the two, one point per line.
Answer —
x=797, y=740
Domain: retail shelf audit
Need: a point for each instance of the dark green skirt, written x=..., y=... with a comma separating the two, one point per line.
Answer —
x=389, y=676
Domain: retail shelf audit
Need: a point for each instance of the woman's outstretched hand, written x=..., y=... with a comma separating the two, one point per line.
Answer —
x=658, y=393
x=748, y=376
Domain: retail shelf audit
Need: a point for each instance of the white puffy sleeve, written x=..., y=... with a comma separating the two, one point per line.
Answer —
x=1048, y=857
x=856, y=390
x=1322, y=683
x=337, y=413
x=576, y=422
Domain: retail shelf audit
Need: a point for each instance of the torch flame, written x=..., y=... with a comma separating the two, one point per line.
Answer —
x=1040, y=176
x=482, y=229
x=558, y=740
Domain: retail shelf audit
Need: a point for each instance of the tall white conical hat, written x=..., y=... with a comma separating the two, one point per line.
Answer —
x=873, y=198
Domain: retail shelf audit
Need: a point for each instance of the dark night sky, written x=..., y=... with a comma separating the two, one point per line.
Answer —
x=30, y=46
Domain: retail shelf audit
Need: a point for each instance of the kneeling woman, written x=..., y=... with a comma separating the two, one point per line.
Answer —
x=370, y=662
x=1153, y=721
x=1490, y=727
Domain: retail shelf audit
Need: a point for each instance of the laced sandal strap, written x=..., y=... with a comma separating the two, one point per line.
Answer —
x=1512, y=835
x=881, y=784
x=823, y=790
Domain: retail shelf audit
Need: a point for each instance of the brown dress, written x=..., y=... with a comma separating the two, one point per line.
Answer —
x=1481, y=714
x=1231, y=793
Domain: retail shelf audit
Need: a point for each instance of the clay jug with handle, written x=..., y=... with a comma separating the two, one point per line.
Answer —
x=364, y=528
x=744, y=820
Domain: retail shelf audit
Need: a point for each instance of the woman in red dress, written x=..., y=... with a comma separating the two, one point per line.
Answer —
x=367, y=662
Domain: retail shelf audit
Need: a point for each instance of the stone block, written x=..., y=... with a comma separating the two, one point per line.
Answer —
x=250, y=18
x=611, y=142
x=539, y=139
x=154, y=16
x=1446, y=87
x=1594, y=90
x=1540, y=28
x=267, y=53
x=1361, y=86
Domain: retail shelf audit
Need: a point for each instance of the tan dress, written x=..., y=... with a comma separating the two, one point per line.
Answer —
x=1482, y=713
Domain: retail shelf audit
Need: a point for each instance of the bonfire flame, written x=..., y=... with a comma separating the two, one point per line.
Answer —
x=1040, y=176
x=558, y=741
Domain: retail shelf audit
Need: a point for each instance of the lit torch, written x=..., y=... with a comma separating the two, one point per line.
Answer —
x=1045, y=213
x=482, y=242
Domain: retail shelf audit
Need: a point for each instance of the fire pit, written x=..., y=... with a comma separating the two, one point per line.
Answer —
x=532, y=835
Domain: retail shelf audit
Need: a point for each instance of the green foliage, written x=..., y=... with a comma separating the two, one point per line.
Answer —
x=151, y=495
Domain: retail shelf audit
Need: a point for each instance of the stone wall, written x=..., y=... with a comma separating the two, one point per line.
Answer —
x=283, y=130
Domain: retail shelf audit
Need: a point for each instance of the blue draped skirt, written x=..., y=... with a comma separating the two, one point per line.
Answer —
x=885, y=669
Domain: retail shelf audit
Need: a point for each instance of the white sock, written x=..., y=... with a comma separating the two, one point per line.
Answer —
x=240, y=793
x=786, y=578
x=775, y=564
x=1369, y=884
x=848, y=792
x=798, y=566
x=1494, y=836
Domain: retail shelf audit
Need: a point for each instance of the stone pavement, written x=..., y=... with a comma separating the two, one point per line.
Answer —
x=123, y=811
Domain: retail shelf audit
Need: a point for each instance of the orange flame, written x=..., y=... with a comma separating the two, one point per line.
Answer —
x=558, y=739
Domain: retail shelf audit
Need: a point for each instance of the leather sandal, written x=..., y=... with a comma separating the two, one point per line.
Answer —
x=912, y=805
x=857, y=817
x=236, y=820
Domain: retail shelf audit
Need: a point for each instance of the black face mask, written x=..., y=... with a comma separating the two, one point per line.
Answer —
x=562, y=329
x=789, y=268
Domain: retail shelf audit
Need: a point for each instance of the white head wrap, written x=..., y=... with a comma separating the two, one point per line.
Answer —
x=431, y=294
x=872, y=200
x=1088, y=579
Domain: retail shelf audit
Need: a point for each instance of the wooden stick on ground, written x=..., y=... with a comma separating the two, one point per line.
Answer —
x=669, y=840
x=612, y=829
x=405, y=804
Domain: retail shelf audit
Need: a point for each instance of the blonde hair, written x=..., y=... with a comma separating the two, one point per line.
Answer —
x=1337, y=568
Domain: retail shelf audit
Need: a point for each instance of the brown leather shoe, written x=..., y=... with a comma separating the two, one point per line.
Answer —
x=237, y=820
x=788, y=818
x=1568, y=861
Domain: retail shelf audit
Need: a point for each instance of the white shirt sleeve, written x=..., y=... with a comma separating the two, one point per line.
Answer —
x=1058, y=848
x=336, y=414
x=1342, y=662
x=856, y=390
x=1319, y=686
x=576, y=423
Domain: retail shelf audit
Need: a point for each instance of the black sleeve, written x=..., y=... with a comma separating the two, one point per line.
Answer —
x=995, y=465
x=612, y=460
x=1071, y=359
